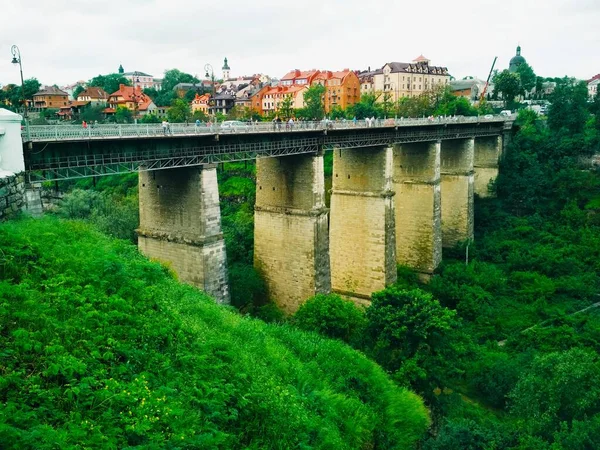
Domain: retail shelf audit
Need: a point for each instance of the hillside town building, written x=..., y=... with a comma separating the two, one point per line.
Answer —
x=398, y=79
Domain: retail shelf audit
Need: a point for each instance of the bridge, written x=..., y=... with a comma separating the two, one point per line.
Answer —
x=401, y=190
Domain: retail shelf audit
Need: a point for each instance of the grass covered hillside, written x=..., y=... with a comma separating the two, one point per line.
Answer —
x=100, y=348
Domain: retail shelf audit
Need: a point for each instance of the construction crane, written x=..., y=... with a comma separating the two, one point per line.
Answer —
x=487, y=83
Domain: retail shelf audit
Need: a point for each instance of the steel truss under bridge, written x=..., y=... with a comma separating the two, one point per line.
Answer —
x=100, y=164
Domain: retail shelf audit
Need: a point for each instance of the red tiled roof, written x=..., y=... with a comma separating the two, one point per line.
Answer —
x=420, y=58
x=108, y=110
x=595, y=77
x=299, y=74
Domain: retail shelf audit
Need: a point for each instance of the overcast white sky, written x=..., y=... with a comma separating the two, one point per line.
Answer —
x=63, y=41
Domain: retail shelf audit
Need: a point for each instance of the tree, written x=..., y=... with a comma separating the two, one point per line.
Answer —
x=179, y=111
x=313, y=99
x=559, y=387
x=173, y=77
x=199, y=115
x=331, y=316
x=78, y=90
x=150, y=118
x=569, y=110
x=286, y=108
x=123, y=115
x=508, y=84
x=92, y=113
x=366, y=107
x=527, y=77
x=410, y=333
x=31, y=86
x=110, y=83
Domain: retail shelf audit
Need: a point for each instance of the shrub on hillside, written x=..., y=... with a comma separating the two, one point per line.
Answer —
x=102, y=348
x=331, y=316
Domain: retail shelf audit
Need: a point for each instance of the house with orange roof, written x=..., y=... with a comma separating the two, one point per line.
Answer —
x=200, y=103
x=299, y=77
x=131, y=98
x=342, y=88
x=268, y=100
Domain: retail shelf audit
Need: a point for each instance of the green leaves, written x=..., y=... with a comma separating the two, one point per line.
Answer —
x=99, y=347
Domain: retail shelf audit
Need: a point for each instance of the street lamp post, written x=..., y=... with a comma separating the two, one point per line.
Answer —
x=16, y=53
x=135, y=97
x=208, y=68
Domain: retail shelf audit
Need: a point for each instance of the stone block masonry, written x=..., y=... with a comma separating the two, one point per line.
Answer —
x=362, y=232
x=488, y=151
x=180, y=224
x=416, y=182
x=12, y=194
x=291, y=244
x=457, y=184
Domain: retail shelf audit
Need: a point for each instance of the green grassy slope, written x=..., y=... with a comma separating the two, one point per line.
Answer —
x=100, y=348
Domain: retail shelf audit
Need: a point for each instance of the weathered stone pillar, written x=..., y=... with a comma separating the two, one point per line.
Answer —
x=291, y=243
x=418, y=205
x=488, y=151
x=362, y=233
x=180, y=224
x=457, y=182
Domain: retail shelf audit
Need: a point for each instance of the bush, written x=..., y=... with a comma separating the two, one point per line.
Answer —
x=331, y=316
x=102, y=348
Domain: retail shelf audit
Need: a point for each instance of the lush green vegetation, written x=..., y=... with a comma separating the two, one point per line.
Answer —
x=505, y=348
x=102, y=348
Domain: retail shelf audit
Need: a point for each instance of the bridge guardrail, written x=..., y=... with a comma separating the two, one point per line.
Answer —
x=104, y=131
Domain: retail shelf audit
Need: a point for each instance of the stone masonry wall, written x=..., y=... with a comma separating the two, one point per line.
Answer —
x=291, y=241
x=418, y=205
x=180, y=223
x=12, y=195
x=362, y=232
x=488, y=151
x=457, y=184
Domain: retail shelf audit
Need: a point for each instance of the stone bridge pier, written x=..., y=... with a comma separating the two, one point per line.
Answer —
x=291, y=242
x=488, y=151
x=180, y=224
x=418, y=205
x=362, y=233
x=457, y=184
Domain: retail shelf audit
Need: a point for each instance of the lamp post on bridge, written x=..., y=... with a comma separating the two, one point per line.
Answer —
x=16, y=53
x=210, y=72
x=135, y=79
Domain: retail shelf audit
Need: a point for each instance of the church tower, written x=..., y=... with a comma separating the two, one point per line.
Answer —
x=225, y=70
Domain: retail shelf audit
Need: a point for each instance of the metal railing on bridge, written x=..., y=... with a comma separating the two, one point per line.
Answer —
x=127, y=131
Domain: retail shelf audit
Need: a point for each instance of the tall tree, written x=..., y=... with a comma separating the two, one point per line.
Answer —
x=78, y=90
x=527, y=77
x=110, y=83
x=508, y=84
x=286, y=108
x=179, y=111
x=173, y=77
x=313, y=99
x=569, y=108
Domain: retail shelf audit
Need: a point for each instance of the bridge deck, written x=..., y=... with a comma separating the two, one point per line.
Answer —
x=74, y=152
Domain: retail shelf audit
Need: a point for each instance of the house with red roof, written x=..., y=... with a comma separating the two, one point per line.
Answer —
x=299, y=77
x=592, y=85
x=131, y=98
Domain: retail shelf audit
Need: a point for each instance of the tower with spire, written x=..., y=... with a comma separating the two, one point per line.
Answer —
x=225, y=70
x=516, y=60
x=121, y=70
